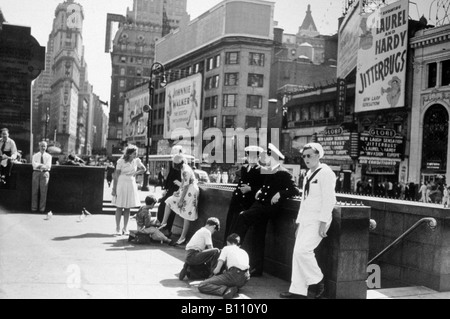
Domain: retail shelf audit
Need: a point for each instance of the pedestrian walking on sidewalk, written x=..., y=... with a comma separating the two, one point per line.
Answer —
x=125, y=191
x=237, y=274
x=110, y=173
x=313, y=221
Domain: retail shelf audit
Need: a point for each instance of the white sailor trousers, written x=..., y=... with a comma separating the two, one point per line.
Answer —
x=305, y=270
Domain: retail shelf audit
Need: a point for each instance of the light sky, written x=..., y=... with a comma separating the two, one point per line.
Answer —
x=39, y=14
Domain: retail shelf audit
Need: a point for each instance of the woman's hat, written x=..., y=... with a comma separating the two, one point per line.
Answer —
x=177, y=149
x=178, y=158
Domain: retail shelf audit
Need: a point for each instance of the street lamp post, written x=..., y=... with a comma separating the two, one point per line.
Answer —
x=157, y=68
x=47, y=119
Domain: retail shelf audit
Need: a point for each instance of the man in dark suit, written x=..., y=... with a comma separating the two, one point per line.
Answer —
x=278, y=185
x=244, y=194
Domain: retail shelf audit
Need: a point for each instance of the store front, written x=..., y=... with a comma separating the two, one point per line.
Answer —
x=435, y=144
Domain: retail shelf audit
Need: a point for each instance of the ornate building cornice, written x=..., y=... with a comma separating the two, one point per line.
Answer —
x=429, y=37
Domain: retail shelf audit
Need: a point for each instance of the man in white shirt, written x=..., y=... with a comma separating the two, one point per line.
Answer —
x=200, y=251
x=314, y=219
x=42, y=163
x=237, y=274
x=8, y=153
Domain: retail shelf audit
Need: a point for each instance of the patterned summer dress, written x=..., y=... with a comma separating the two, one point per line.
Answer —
x=189, y=209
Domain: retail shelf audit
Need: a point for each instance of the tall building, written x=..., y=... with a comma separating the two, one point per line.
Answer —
x=230, y=46
x=41, y=92
x=100, y=125
x=66, y=68
x=133, y=51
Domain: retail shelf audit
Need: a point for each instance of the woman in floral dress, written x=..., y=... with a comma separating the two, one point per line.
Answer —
x=183, y=202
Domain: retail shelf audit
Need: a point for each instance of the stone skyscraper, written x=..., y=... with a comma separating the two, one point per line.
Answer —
x=133, y=51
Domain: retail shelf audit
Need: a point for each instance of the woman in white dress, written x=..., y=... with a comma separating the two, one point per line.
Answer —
x=125, y=191
x=183, y=202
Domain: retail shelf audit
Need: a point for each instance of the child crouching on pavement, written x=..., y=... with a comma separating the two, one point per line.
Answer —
x=147, y=224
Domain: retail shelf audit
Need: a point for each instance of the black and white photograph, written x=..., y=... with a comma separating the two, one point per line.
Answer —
x=251, y=151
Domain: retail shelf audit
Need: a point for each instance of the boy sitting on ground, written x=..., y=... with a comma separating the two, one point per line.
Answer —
x=146, y=224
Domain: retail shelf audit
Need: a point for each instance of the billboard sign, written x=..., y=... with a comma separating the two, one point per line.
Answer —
x=135, y=119
x=381, y=70
x=183, y=103
x=348, y=42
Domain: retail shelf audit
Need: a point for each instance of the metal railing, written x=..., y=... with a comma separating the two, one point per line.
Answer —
x=432, y=223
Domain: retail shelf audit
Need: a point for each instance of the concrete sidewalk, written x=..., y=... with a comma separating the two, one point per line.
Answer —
x=64, y=258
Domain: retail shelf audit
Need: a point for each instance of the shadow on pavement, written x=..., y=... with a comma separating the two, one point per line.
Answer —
x=83, y=236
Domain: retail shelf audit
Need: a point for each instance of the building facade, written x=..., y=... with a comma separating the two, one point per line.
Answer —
x=42, y=86
x=132, y=54
x=429, y=155
x=231, y=47
x=66, y=68
x=100, y=126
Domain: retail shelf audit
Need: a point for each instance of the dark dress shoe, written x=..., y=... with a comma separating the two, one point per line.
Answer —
x=320, y=290
x=289, y=295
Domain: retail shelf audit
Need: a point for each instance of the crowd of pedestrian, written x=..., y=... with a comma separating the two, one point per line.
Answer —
x=428, y=192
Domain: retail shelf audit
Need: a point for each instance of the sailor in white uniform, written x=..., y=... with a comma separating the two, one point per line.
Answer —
x=313, y=221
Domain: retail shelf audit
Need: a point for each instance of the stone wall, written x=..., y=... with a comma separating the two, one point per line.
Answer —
x=423, y=257
x=343, y=256
x=70, y=189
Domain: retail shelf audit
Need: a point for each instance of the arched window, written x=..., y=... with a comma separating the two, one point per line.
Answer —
x=435, y=138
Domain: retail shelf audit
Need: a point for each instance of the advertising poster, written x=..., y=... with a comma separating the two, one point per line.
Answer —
x=381, y=70
x=135, y=119
x=183, y=103
x=348, y=42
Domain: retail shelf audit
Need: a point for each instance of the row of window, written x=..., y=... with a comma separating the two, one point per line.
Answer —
x=255, y=59
x=231, y=58
x=312, y=112
x=230, y=100
x=232, y=79
x=138, y=60
x=229, y=121
x=443, y=77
